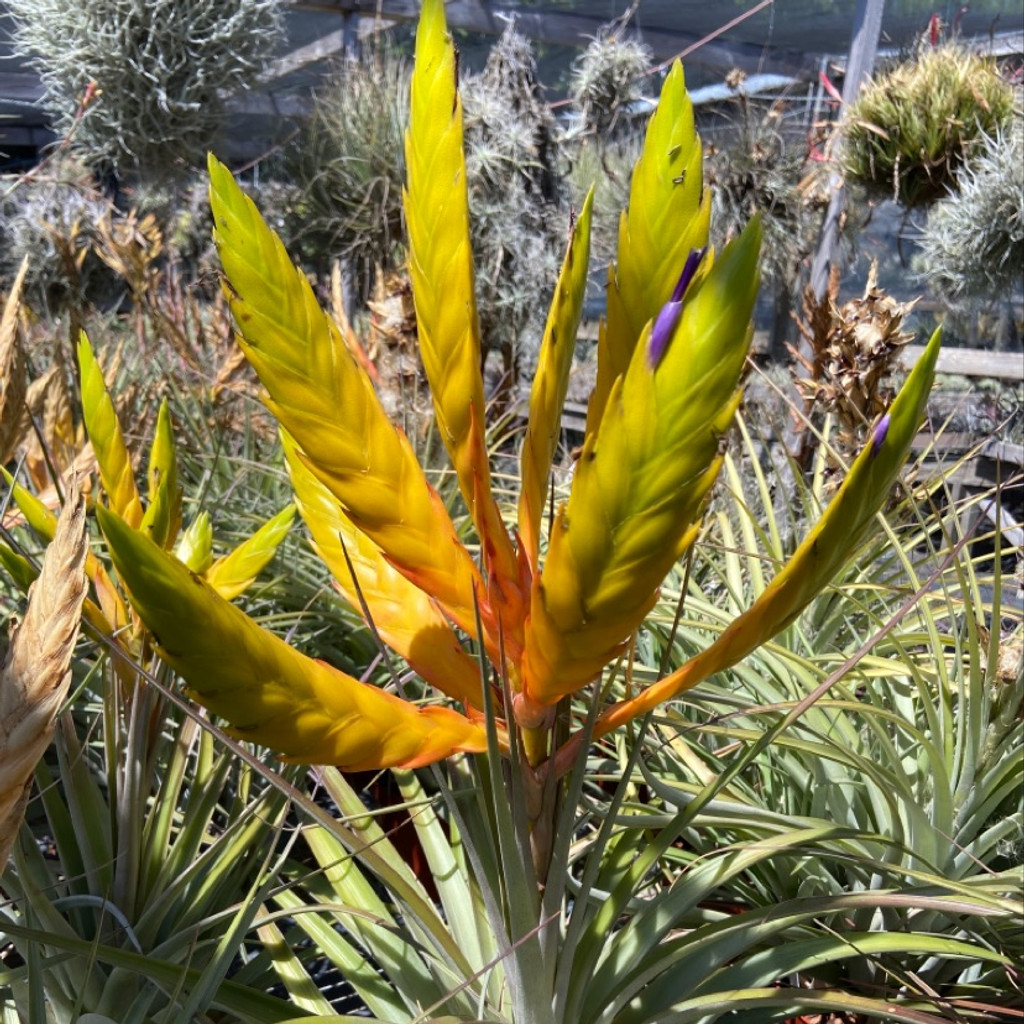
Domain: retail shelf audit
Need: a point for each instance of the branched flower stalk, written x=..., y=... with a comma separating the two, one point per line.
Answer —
x=672, y=350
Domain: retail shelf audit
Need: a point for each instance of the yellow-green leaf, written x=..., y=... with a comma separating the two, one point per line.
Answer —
x=104, y=429
x=236, y=571
x=547, y=395
x=18, y=567
x=195, y=545
x=271, y=694
x=111, y=614
x=162, y=518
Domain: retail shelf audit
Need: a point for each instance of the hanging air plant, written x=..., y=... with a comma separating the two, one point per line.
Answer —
x=911, y=130
x=973, y=244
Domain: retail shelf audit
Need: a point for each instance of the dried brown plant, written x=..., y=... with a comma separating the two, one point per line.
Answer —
x=13, y=378
x=854, y=348
x=37, y=670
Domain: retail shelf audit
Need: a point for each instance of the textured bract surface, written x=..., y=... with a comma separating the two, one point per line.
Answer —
x=552, y=606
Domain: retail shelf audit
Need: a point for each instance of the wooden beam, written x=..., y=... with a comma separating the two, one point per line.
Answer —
x=577, y=29
x=972, y=362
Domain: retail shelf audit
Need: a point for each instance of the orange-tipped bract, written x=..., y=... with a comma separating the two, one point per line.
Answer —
x=306, y=710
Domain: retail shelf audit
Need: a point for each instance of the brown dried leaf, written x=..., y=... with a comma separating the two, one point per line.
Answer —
x=36, y=673
x=13, y=382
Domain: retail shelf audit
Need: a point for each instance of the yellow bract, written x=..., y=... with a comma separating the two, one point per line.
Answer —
x=547, y=396
x=668, y=216
x=325, y=400
x=441, y=269
x=271, y=693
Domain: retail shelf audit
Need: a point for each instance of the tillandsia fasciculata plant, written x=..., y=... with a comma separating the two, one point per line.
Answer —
x=517, y=631
x=672, y=349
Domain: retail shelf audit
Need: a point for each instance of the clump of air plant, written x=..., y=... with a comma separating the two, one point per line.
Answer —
x=608, y=77
x=855, y=348
x=973, y=244
x=909, y=132
x=756, y=166
x=517, y=201
x=350, y=165
x=142, y=88
x=50, y=217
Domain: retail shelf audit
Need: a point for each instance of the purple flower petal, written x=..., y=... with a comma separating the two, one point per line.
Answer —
x=879, y=437
x=667, y=319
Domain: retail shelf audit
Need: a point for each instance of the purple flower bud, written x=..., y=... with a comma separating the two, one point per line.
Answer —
x=667, y=319
x=880, y=431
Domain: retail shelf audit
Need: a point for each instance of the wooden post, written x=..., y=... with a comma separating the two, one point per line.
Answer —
x=867, y=28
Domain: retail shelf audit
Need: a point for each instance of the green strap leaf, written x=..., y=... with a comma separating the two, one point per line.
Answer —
x=235, y=572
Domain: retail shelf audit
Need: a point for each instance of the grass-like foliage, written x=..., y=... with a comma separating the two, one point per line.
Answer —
x=913, y=127
x=142, y=85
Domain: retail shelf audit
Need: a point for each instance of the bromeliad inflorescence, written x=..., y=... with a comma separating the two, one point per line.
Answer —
x=550, y=612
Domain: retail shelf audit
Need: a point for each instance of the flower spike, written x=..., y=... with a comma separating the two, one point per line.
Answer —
x=306, y=710
x=551, y=381
x=668, y=216
x=640, y=485
x=436, y=206
x=324, y=399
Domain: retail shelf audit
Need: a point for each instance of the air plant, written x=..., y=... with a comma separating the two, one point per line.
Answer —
x=514, y=169
x=755, y=165
x=50, y=218
x=973, y=243
x=912, y=128
x=607, y=78
x=142, y=86
x=349, y=164
x=673, y=347
x=672, y=351
x=520, y=634
x=854, y=349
